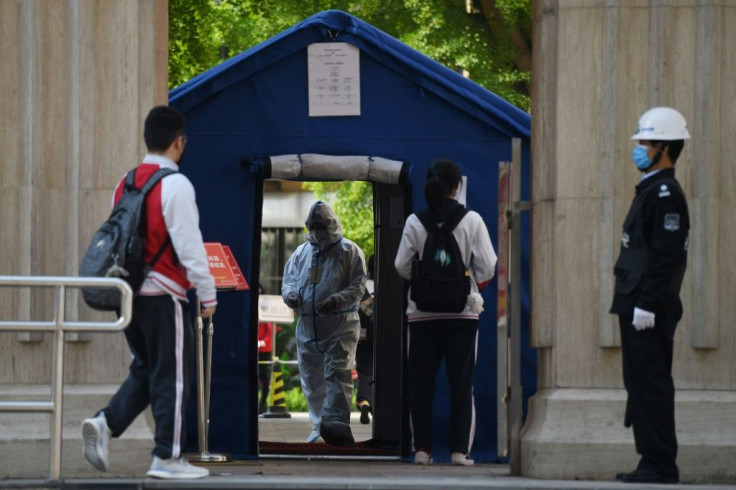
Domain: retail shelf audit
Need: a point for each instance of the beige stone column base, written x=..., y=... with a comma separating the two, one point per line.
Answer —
x=579, y=433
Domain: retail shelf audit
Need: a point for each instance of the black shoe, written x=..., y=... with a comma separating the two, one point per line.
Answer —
x=336, y=433
x=365, y=410
x=641, y=475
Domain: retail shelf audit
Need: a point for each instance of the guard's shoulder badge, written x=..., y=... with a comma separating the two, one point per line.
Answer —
x=664, y=191
x=671, y=221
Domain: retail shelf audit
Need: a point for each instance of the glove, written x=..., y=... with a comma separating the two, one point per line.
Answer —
x=327, y=306
x=292, y=300
x=475, y=303
x=643, y=319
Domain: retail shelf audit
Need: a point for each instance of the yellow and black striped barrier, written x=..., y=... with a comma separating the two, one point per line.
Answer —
x=277, y=408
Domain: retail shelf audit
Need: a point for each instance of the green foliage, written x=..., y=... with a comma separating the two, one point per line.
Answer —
x=484, y=44
x=194, y=38
x=295, y=400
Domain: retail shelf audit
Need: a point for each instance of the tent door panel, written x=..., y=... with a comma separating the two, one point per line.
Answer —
x=391, y=401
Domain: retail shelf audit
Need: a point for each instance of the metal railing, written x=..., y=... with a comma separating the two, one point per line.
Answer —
x=58, y=325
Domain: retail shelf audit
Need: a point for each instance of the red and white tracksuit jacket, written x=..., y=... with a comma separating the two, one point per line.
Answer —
x=171, y=210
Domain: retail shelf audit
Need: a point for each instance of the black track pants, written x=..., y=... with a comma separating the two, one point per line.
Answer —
x=161, y=340
x=455, y=341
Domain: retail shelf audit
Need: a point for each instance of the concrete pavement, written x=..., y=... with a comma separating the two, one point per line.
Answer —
x=303, y=472
x=271, y=474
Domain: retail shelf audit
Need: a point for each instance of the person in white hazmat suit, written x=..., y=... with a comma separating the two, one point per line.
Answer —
x=324, y=280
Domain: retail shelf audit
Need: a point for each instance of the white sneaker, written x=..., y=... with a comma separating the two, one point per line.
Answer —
x=461, y=459
x=422, y=457
x=96, y=435
x=313, y=436
x=176, y=469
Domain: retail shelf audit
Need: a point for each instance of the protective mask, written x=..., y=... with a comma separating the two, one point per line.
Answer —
x=639, y=155
x=322, y=237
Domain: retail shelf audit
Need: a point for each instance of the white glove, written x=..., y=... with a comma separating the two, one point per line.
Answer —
x=643, y=319
x=475, y=303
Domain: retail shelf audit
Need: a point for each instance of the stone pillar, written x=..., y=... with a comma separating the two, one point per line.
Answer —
x=77, y=80
x=599, y=64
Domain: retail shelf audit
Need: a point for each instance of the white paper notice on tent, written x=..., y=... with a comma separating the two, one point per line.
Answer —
x=462, y=192
x=334, y=79
x=271, y=308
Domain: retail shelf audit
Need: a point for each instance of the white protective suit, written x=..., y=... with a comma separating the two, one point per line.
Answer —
x=326, y=266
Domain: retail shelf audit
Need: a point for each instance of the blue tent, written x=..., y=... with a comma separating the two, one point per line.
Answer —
x=412, y=110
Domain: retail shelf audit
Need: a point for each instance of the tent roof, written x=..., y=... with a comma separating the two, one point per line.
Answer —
x=338, y=26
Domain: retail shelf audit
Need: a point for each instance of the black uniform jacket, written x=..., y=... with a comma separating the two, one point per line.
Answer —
x=653, y=257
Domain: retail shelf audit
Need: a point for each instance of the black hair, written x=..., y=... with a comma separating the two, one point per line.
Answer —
x=163, y=125
x=443, y=177
x=674, y=148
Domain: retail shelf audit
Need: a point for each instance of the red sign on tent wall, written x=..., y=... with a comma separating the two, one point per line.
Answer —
x=241, y=283
x=219, y=266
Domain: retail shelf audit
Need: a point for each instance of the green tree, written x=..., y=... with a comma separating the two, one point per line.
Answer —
x=488, y=40
x=194, y=45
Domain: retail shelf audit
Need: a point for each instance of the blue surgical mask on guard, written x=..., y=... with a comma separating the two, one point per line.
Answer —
x=639, y=155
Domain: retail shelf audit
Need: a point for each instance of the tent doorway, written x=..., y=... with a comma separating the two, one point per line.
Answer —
x=388, y=434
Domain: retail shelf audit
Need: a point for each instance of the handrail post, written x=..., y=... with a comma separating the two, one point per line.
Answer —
x=58, y=325
x=57, y=378
x=202, y=416
x=204, y=380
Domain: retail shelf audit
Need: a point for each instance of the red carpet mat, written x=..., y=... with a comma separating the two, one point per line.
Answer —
x=362, y=448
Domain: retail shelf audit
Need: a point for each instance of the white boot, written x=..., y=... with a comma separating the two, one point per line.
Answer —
x=313, y=437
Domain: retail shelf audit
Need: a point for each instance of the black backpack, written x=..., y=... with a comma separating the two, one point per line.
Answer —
x=116, y=250
x=440, y=281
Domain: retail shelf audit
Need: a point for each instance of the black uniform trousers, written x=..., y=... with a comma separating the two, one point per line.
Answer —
x=161, y=339
x=364, y=368
x=650, y=408
x=455, y=341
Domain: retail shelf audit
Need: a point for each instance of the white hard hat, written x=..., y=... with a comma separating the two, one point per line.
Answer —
x=661, y=123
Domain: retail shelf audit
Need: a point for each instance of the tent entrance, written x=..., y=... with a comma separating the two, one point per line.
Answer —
x=388, y=434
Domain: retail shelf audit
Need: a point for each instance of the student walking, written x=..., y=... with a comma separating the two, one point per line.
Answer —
x=160, y=334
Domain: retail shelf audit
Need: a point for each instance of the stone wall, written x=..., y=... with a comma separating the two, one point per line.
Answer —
x=599, y=64
x=78, y=78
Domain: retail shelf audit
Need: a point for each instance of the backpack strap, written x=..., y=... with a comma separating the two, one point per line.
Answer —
x=427, y=220
x=160, y=251
x=152, y=181
x=455, y=219
x=429, y=223
x=155, y=178
x=129, y=181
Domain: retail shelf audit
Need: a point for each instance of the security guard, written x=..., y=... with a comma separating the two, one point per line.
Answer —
x=649, y=273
